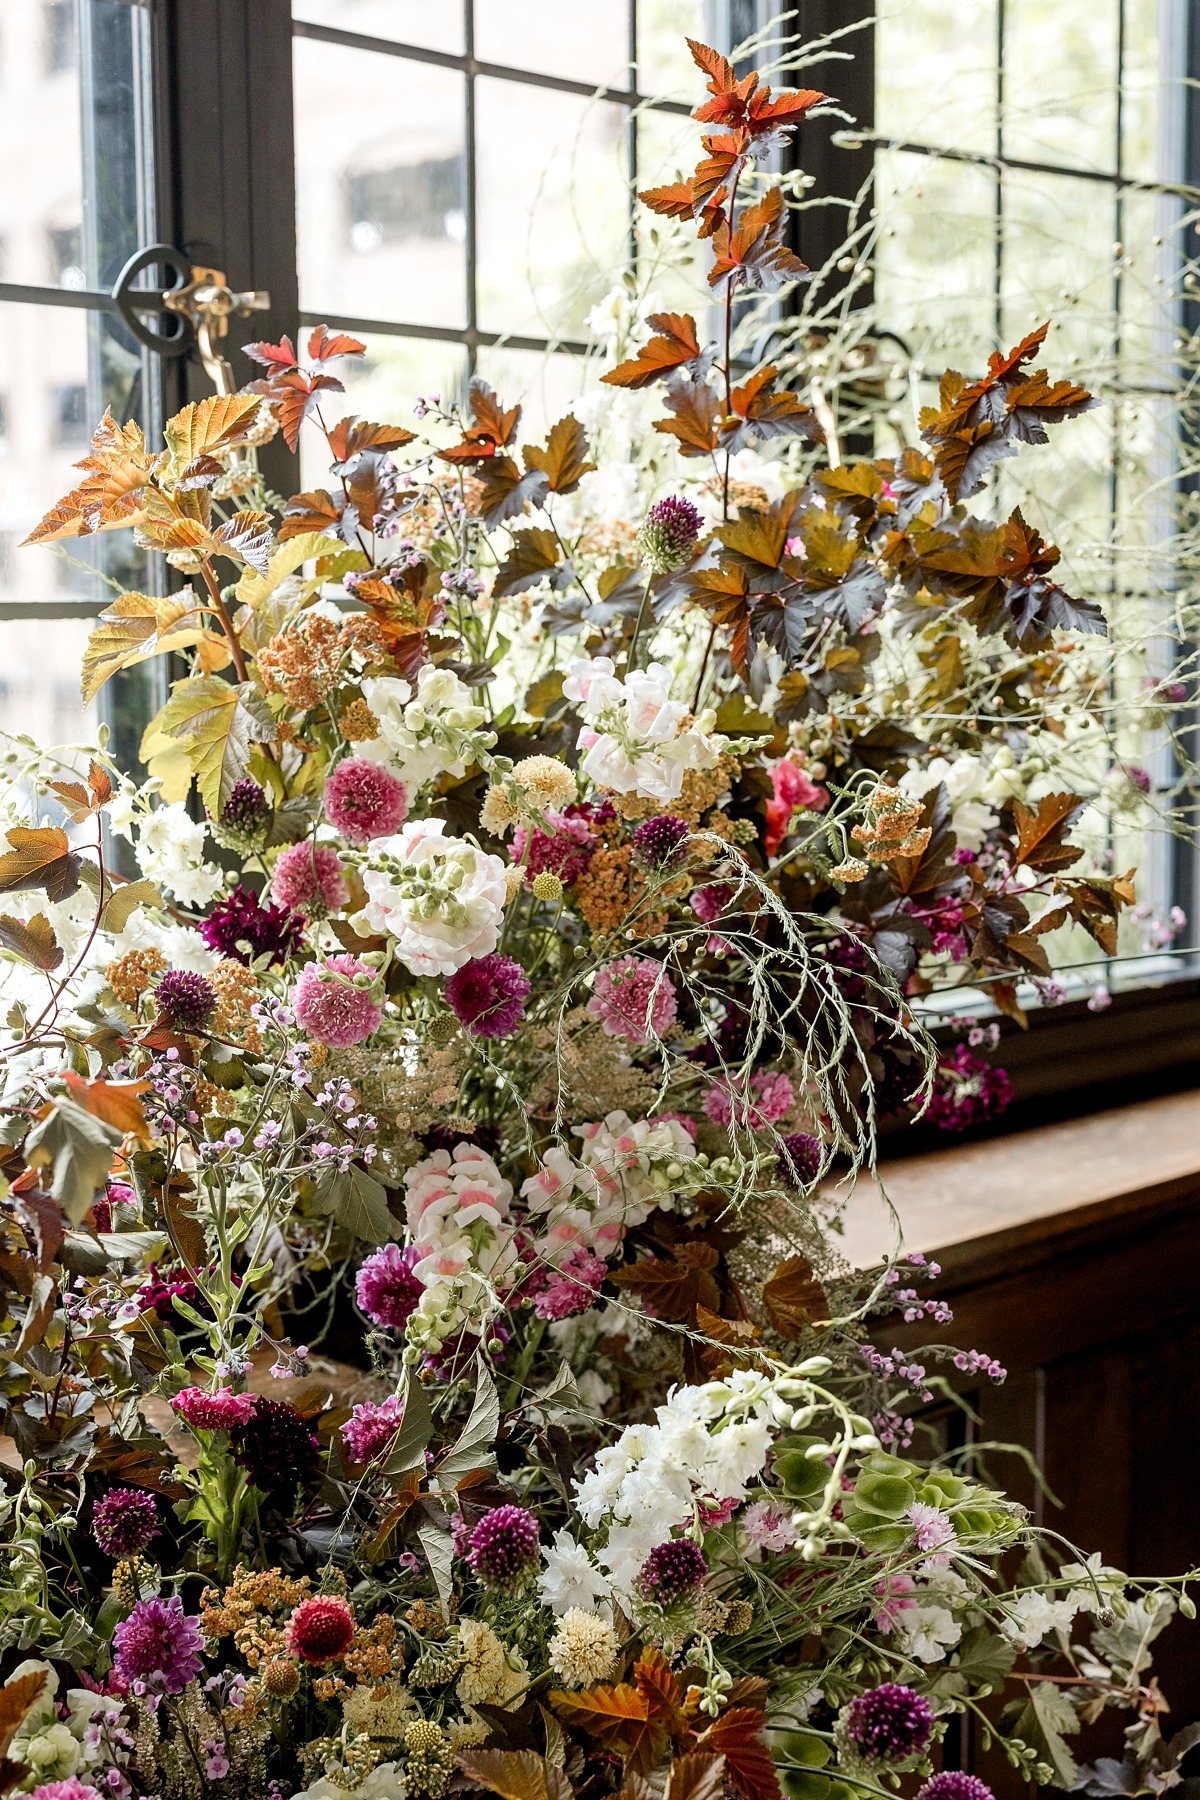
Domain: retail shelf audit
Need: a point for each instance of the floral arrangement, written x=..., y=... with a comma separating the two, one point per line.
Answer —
x=519, y=929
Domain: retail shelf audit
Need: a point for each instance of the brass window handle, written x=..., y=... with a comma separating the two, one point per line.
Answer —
x=201, y=300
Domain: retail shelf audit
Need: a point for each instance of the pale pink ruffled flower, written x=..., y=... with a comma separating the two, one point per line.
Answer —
x=634, y=999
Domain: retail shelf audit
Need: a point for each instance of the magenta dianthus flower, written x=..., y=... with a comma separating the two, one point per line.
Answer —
x=503, y=1547
x=967, y=1091
x=222, y=1411
x=572, y=1288
x=370, y=1428
x=488, y=995
x=386, y=1289
x=309, y=879
x=158, y=1643
x=889, y=1724
x=634, y=998
x=241, y=926
x=727, y=1103
x=953, y=1784
x=333, y=1001
x=124, y=1520
x=363, y=800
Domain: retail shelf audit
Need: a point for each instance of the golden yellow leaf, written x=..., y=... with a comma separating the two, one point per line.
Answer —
x=217, y=423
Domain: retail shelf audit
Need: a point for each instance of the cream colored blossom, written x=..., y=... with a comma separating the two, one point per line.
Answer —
x=547, y=782
x=491, y=1675
x=584, y=1648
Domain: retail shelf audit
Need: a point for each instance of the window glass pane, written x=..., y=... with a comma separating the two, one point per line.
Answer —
x=433, y=24
x=552, y=205
x=383, y=385
x=665, y=66
x=935, y=261
x=547, y=385
x=1062, y=72
x=935, y=80
x=1058, y=264
x=71, y=80
x=40, y=661
x=381, y=209
x=672, y=260
x=1153, y=95
x=585, y=43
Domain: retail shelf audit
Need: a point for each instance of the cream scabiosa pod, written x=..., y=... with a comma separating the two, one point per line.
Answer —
x=441, y=899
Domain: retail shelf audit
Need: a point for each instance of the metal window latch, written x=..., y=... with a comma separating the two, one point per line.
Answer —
x=201, y=304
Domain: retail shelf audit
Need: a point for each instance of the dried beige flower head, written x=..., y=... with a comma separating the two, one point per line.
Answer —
x=491, y=1676
x=546, y=781
x=584, y=1648
x=498, y=813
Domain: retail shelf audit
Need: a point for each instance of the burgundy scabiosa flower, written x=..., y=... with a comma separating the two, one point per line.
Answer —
x=277, y=1450
x=967, y=1091
x=159, y=1290
x=363, y=800
x=333, y=1001
x=672, y=1570
x=888, y=1725
x=158, y=1643
x=245, y=817
x=124, y=1520
x=185, y=1001
x=370, y=1428
x=668, y=534
x=309, y=879
x=222, y=1411
x=503, y=1547
x=488, y=995
x=953, y=1784
x=656, y=841
x=243, y=927
x=799, y=1159
x=565, y=850
x=386, y=1288
x=320, y=1629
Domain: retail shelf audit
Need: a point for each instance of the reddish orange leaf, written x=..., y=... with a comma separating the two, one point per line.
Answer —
x=676, y=343
x=322, y=344
x=738, y=1736
x=794, y=1298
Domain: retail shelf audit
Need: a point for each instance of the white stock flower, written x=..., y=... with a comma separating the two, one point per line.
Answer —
x=170, y=851
x=643, y=743
x=570, y=1577
x=441, y=898
x=434, y=732
x=1029, y=1617
x=965, y=781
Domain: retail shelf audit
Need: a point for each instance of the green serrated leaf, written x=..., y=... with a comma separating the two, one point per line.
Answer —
x=439, y=1548
x=408, y=1451
x=357, y=1201
x=474, y=1447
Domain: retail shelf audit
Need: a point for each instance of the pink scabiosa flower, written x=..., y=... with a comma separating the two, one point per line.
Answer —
x=572, y=1288
x=370, y=1428
x=222, y=1411
x=503, y=1547
x=634, y=999
x=320, y=1629
x=932, y=1532
x=308, y=879
x=333, y=1001
x=159, y=1644
x=773, y=1098
x=565, y=850
x=488, y=995
x=364, y=800
x=124, y=1520
x=386, y=1289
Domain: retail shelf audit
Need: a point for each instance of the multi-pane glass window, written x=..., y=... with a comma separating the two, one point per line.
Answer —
x=464, y=178
x=76, y=202
x=1035, y=170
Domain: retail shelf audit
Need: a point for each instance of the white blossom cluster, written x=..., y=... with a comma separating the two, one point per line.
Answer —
x=435, y=731
x=637, y=739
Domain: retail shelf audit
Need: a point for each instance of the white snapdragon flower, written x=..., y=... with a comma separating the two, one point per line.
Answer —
x=436, y=731
x=965, y=782
x=458, y=1218
x=170, y=851
x=637, y=739
x=440, y=898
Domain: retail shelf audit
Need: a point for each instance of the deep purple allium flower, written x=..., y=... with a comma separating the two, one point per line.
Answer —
x=124, y=1520
x=503, y=1548
x=363, y=800
x=334, y=1003
x=277, y=1451
x=672, y=1570
x=488, y=995
x=799, y=1159
x=309, y=879
x=158, y=1643
x=967, y=1091
x=244, y=818
x=371, y=1428
x=656, y=841
x=184, y=1000
x=668, y=534
x=386, y=1289
x=887, y=1724
x=242, y=927
x=953, y=1784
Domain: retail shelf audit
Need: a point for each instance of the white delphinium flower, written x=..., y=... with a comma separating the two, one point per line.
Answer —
x=440, y=898
x=170, y=851
x=584, y=1648
x=436, y=731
